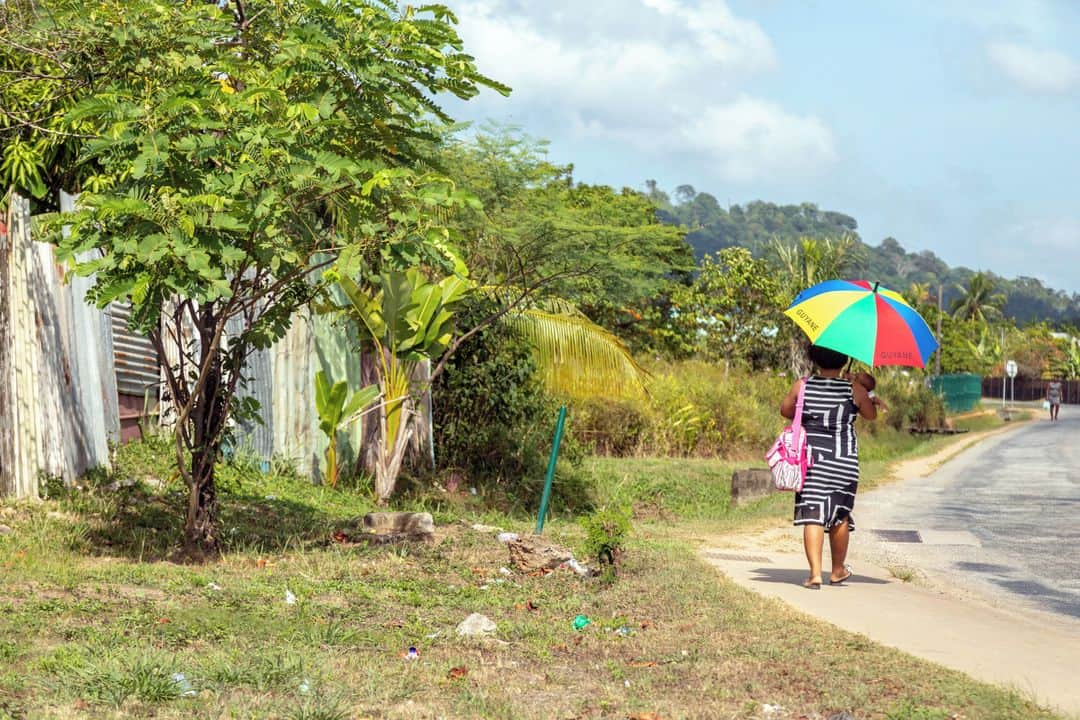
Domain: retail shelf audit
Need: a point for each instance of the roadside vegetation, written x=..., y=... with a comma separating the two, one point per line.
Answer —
x=95, y=622
x=255, y=162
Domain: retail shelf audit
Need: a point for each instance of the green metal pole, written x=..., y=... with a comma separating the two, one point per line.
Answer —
x=546, y=497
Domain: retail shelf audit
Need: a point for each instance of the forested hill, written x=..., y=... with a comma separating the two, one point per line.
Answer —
x=757, y=224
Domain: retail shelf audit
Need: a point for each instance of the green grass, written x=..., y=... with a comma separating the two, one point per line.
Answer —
x=699, y=489
x=95, y=622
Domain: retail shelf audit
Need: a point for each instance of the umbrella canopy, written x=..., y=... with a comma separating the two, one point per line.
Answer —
x=864, y=320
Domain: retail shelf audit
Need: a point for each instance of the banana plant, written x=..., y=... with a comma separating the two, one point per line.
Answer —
x=336, y=410
x=406, y=319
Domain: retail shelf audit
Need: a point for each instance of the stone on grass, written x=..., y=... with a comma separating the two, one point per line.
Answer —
x=476, y=625
x=5, y=530
x=385, y=523
x=391, y=527
x=842, y=716
x=530, y=554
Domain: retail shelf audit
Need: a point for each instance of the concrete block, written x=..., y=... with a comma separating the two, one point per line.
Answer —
x=399, y=523
x=750, y=484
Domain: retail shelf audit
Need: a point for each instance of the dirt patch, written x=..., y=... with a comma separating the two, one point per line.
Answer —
x=19, y=594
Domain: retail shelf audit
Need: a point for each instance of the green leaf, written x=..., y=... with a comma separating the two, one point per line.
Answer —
x=359, y=400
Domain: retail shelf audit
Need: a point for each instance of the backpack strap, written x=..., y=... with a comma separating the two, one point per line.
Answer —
x=796, y=426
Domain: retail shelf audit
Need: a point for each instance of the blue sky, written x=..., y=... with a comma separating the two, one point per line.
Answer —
x=951, y=126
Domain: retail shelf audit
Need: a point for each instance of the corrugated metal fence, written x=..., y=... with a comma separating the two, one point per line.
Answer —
x=74, y=378
x=57, y=388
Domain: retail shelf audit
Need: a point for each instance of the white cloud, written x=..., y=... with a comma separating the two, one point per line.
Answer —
x=1044, y=248
x=660, y=75
x=754, y=138
x=1034, y=69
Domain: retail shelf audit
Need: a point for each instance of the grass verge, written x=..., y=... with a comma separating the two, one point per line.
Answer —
x=94, y=624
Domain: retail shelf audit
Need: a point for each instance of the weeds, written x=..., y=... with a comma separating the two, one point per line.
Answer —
x=901, y=573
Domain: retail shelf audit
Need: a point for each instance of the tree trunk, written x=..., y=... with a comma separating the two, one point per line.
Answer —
x=207, y=424
x=800, y=363
x=389, y=461
x=7, y=398
x=200, y=533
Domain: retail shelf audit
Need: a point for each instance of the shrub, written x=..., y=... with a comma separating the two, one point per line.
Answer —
x=694, y=409
x=911, y=402
x=605, y=534
x=494, y=421
x=611, y=427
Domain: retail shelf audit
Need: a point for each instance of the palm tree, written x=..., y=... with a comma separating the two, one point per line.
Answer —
x=812, y=260
x=918, y=295
x=978, y=301
x=805, y=263
x=576, y=357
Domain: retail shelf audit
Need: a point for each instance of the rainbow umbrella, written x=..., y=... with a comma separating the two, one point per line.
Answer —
x=864, y=320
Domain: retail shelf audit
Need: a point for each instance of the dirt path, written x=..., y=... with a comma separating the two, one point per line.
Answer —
x=918, y=612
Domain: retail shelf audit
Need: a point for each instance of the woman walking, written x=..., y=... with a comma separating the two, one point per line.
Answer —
x=830, y=406
x=1053, y=397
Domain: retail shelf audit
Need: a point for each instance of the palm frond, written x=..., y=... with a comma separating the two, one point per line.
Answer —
x=578, y=358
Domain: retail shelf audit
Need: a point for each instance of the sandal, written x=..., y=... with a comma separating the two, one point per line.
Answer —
x=841, y=581
x=811, y=585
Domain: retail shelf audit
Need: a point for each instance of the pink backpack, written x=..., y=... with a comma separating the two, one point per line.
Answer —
x=790, y=458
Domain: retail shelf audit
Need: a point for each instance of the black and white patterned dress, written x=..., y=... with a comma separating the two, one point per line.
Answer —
x=828, y=495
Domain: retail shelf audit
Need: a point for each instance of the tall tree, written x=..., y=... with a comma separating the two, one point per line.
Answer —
x=732, y=312
x=602, y=249
x=803, y=264
x=241, y=146
x=979, y=300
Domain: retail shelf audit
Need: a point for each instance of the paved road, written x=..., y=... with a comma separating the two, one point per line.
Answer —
x=999, y=590
x=1002, y=519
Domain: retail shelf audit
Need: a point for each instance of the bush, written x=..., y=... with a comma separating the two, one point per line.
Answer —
x=611, y=427
x=694, y=409
x=605, y=534
x=911, y=402
x=494, y=422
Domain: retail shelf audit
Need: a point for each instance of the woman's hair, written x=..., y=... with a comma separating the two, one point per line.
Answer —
x=825, y=358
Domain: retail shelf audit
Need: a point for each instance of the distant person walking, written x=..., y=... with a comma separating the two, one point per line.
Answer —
x=1053, y=397
x=830, y=406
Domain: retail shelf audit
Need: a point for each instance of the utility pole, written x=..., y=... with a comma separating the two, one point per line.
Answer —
x=1002, y=367
x=937, y=356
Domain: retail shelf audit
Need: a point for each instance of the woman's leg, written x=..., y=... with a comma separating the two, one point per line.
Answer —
x=838, y=545
x=814, y=541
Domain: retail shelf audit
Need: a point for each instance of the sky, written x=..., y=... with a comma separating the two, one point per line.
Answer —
x=951, y=126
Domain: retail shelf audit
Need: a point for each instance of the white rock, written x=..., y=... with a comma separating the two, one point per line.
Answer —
x=476, y=625
x=290, y=599
x=5, y=530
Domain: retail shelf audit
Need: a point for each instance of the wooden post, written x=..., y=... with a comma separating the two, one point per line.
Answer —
x=7, y=436
x=937, y=355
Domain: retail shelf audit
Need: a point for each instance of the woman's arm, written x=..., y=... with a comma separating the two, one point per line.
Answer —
x=867, y=406
x=787, y=405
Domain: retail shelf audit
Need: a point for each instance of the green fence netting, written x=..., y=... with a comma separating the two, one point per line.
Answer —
x=962, y=391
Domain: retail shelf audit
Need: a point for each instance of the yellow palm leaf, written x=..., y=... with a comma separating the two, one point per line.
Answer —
x=575, y=356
